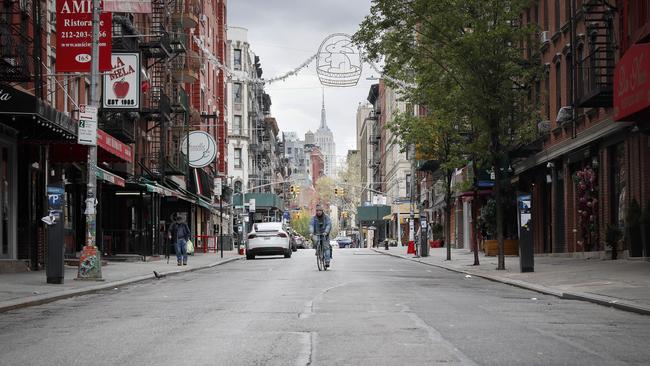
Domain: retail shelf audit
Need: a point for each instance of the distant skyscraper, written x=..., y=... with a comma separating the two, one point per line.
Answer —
x=325, y=141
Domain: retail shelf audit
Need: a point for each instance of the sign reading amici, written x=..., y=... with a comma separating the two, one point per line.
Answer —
x=74, y=36
x=202, y=148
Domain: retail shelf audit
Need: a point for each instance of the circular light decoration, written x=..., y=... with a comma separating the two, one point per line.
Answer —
x=202, y=149
x=339, y=61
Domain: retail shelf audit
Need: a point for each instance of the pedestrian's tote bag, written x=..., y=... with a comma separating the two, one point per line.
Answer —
x=190, y=247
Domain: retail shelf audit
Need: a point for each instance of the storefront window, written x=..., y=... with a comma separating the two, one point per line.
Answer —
x=617, y=185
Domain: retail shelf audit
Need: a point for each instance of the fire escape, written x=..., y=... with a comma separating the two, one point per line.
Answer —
x=168, y=65
x=15, y=62
x=596, y=69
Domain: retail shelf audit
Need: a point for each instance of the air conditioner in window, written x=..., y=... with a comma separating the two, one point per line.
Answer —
x=545, y=37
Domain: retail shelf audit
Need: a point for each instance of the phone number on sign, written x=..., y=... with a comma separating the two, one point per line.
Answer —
x=80, y=34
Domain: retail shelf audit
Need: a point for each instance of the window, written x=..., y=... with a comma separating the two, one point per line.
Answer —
x=557, y=15
x=238, y=162
x=237, y=60
x=547, y=91
x=408, y=185
x=238, y=186
x=567, y=10
x=289, y=150
x=558, y=85
x=581, y=67
x=569, y=78
x=545, y=15
x=236, y=125
x=236, y=91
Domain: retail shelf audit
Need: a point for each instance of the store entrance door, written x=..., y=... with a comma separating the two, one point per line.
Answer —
x=7, y=198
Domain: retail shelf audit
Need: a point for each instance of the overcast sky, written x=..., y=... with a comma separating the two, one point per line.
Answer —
x=284, y=33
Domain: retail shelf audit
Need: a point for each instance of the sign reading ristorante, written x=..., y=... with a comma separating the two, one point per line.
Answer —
x=74, y=36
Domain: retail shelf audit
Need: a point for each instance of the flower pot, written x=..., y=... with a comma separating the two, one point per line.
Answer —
x=510, y=247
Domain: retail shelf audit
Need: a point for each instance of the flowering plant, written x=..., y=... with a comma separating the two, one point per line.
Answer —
x=587, y=196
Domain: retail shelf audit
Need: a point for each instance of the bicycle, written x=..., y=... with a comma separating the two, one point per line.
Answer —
x=320, y=252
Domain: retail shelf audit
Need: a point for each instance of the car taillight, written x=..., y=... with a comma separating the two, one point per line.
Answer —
x=252, y=236
x=282, y=235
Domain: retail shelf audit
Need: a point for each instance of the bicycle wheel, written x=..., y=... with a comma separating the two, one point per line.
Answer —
x=319, y=256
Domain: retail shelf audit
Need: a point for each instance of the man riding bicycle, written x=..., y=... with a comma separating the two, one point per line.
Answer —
x=321, y=225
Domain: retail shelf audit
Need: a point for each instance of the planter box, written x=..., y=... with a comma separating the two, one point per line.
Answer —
x=435, y=243
x=510, y=247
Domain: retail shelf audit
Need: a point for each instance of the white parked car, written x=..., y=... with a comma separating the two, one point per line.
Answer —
x=268, y=238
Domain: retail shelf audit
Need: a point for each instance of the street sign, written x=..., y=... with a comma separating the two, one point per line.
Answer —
x=87, y=133
x=251, y=205
x=218, y=187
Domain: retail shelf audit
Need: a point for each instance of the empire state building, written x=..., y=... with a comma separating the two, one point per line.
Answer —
x=325, y=141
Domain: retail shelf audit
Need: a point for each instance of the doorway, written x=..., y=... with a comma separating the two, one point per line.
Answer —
x=7, y=200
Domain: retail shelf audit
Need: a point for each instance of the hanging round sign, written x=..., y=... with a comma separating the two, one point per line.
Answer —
x=339, y=61
x=202, y=148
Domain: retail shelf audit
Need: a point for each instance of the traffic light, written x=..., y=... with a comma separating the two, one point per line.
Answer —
x=297, y=189
x=292, y=189
x=336, y=191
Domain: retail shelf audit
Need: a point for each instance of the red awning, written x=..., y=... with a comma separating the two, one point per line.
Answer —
x=632, y=84
x=110, y=150
x=114, y=146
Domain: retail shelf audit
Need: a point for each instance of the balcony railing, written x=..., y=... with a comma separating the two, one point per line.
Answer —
x=185, y=68
x=186, y=13
x=596, y=79
x=119, y=126
x=15, y=59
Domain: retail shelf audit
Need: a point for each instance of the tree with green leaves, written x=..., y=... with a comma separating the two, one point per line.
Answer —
x=464, y=61
x=438, y=138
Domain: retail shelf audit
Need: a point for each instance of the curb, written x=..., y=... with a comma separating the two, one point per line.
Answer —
x=595, y=299
x=47, y=298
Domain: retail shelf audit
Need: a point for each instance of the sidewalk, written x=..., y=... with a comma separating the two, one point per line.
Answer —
x=623, y=284
x=24, y=289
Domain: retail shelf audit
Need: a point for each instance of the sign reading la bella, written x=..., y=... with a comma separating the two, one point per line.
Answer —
x=122, y=83
x=74, y=32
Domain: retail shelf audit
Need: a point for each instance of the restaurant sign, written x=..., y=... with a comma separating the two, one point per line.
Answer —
x=632, y=82
x=122, y=83
x=74, y=36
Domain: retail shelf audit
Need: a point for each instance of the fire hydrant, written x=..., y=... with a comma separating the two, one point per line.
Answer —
x=242, y=249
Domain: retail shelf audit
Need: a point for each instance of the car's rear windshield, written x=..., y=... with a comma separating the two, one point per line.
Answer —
x=268, y=226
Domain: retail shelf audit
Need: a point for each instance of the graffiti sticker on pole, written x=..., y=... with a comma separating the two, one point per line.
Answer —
x=74, y=33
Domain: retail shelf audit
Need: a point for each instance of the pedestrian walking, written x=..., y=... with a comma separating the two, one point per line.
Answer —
x=179, y=234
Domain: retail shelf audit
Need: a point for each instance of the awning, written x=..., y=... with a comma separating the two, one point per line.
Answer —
x=602, y=129
x=632, y=84
x=403, y=209
x=109, y=150
x=114, y=146
x=34, y=118
x=110, y=177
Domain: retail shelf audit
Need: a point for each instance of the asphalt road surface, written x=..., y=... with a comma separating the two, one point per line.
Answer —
x=369, y=309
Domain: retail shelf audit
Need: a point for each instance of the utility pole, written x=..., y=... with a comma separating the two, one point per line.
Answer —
x=412, y=199
x=91, y=257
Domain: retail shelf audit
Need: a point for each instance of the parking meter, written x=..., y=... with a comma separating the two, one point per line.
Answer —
x=54, y=267
x=424, y=238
